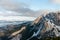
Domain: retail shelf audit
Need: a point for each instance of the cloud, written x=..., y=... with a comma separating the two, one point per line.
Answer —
x=17, y=7
x=11, y=5
x=9, y=13
x=55, y=1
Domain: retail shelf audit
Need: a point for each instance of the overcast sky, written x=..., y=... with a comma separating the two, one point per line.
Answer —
x=27, y=7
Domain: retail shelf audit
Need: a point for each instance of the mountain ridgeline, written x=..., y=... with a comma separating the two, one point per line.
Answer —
x=43, y=28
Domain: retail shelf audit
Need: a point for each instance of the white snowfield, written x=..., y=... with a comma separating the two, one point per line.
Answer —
x=16, y=18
